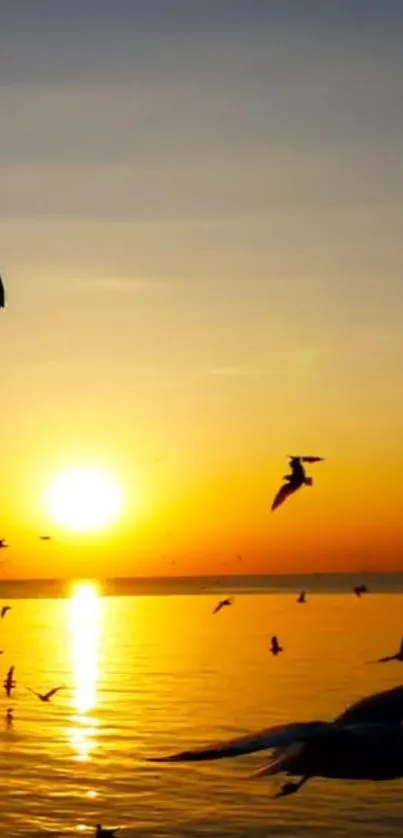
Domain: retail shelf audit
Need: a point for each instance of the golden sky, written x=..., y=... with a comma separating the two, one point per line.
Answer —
x=200, y=236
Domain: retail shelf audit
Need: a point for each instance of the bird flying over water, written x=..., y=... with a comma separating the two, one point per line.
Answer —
x=364, y=743
x=46, y=696
x=302, y=597
x=4, y=610
x=360, y=589
x=9, y=682
x=222, y=604
x=397, y=657
x=275, y=647
x=294, y=480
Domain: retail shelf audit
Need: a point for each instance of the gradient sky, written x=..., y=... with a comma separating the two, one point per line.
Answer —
x=201, y=237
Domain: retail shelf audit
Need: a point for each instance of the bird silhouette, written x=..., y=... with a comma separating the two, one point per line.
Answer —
x=9, y=682
x=2, y=294
x=302, y=597
x=46, y=696
x=397, y=657
x=222, y=604
x=294, y=480
x=45, y=538
x=3, y=544
x=275, y=647
x=364, y=743
x=4, y=610
x=359, y=590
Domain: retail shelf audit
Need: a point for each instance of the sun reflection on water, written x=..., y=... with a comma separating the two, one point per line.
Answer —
x=84, y=620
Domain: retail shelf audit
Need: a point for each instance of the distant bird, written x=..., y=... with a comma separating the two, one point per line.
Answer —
x=222, y=604
x=3, y=544
x=4, y=610
x=100, y=832
x=295, y=479
x=9, y=682
x=397, y=657
x=364, y=743
x=45, y=538
x=2, y=294
x=46, y=696
x=275, y=647
x=302, y=597
x=360, y=589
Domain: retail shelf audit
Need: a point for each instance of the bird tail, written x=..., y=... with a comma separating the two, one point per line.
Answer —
x=308, y=481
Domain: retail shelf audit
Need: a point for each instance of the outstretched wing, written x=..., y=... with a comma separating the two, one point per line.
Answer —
x=286, y=490
x=271, y=737
x=218, y=607
x=52, y=692
x=312, y=459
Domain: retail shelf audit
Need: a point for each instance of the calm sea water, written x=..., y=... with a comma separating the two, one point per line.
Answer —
x=149, y=674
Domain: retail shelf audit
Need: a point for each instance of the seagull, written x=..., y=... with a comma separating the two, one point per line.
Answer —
x=360, y=589
x=46, y=696
x=3, y=544
x=397, y=657
x=2, y=294
x=100, y=832
x=4, y=610
x=295, y=479
x=364, y=743
x=302, y=597
x=275, y=647
x=222, y=604
x=9, y=683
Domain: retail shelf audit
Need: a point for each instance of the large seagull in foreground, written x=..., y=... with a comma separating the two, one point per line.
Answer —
x=364, y=743
x=295, y=479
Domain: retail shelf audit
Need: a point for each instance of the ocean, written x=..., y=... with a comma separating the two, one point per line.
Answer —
x=145, y=673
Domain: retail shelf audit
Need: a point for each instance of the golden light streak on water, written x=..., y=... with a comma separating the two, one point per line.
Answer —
x=84, y=625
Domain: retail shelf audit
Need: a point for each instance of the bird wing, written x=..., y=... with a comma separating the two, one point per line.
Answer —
x=218, y=608
x=271, y=737
x=401, y=647
x=282, y=495
x=312, y=459
x=387, y=659
x=2, y=294
x=52, y=692
x=385, y=707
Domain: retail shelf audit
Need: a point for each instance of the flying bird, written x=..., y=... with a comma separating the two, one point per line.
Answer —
x=3, y=544
x=46, y=696
x=9, y=682
x=45, y=538
x=4, y=610
x=275, y=647
x=364, y=743
x=397, y=657
x=2, y=294
x=302, y=597
x=222, y=604
x=360, y=589
x=294, y=480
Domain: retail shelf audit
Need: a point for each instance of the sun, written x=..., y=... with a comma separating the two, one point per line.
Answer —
x=83, y=499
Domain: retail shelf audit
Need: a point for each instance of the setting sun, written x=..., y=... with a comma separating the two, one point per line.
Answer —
x=83, y=499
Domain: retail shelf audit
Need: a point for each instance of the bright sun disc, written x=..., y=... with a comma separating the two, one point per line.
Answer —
x=83, y=499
